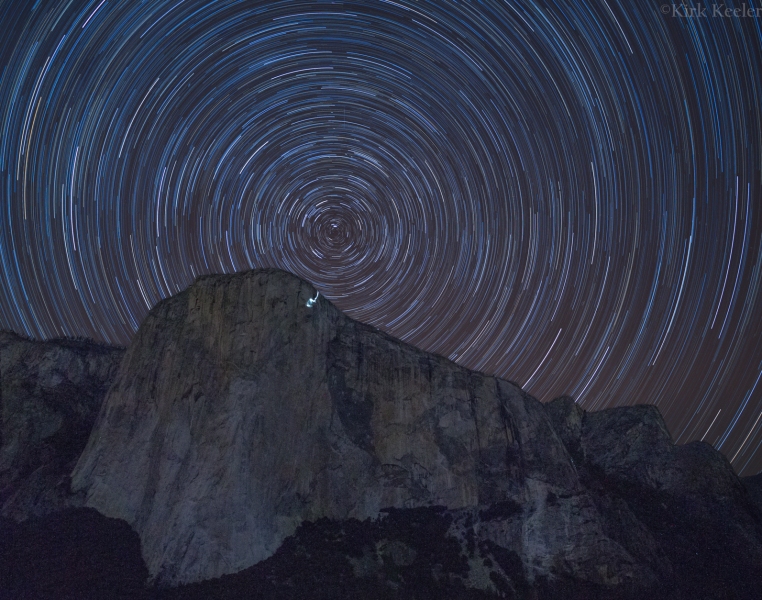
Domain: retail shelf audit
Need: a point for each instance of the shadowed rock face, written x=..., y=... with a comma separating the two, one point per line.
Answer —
x=680, y=508
x=50, y=395
x=239, y=413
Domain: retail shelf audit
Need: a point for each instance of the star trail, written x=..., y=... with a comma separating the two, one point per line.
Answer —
x=567, y=195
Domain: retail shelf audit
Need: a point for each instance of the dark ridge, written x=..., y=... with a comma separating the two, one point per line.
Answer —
x=11, y=333
x=72, y=342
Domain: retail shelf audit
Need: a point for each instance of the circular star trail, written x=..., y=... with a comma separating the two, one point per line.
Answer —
x=564, y=194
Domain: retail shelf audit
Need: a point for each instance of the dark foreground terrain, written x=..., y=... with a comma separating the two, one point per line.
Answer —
x=77, y=553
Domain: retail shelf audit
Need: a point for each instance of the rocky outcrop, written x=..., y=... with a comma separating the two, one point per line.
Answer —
x=244, y=408
x=239, y=412
x=50, y=395
x=680, y=509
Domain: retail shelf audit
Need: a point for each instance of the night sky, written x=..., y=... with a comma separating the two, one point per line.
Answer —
x=567, y=195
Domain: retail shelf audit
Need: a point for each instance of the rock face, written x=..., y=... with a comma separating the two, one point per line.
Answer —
x=679, y=509
x=241, y=410
x=50, y=395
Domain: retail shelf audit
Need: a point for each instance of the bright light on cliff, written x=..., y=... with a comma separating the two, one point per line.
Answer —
x=312, y=301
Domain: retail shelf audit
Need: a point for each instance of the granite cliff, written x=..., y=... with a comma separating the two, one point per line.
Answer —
x=50, y=395
x=262, y=444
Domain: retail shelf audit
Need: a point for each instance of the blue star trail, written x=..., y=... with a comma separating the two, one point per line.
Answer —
x=567, y=195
